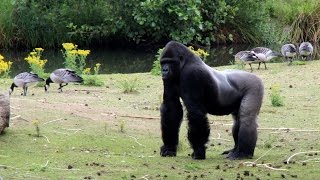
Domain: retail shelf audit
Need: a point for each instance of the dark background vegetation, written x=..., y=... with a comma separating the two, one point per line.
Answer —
x=146, y=23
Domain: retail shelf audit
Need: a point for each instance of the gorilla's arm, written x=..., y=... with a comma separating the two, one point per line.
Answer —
x=171, y=117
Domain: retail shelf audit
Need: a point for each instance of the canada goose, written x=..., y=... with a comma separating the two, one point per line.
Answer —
x=247, y=57
x=289, y=51
x=24, y=80
x=265, y=54
x=306, y=50
x=61, y=76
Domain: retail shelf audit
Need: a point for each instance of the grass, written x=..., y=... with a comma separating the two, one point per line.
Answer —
x=103, y=133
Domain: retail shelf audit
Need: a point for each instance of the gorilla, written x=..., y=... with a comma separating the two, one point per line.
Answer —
x=205, y=90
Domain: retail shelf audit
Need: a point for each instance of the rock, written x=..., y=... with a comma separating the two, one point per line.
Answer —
x=4, y=111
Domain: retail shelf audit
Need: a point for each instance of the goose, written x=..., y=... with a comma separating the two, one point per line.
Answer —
x=24, y=80
x=289, y=51
x=61, y=76
x=305, y=50
x=247, y=57
x=265, y=55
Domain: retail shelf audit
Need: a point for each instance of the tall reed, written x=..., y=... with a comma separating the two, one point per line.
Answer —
x=306, y=27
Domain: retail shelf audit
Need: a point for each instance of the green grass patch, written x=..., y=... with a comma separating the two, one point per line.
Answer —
x=276, y=98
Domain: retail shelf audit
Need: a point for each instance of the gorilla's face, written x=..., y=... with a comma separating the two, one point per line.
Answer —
x=170, y=69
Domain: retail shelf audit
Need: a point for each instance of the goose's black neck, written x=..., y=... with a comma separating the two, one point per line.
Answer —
x=13, y=86
x=48, y=81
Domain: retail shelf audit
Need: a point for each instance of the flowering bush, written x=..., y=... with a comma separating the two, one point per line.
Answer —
x=92, y=80
x=200, y=52
x=75, y=58
x=35, y=62
x=4, y=67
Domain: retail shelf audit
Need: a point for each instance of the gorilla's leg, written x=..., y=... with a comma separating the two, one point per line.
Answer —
x=247, y=122
x=247, y=138
x=171, y=117
x=198, y=132
x=235, y=132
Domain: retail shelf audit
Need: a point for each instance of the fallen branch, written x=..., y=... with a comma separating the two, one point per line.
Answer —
x=5, y=166
x=264, y=154
x=130, y=116
x=136, y=140
x=290, y=129
x=219, y=138
x=75, y=130
x=313, y=159
x=140, y=117
x=46, y=138
x=263, y=165
x=90, y=90
x=18, y=116
x=59, y=119
x=12, y=107
x=46, y=164
x=145, y=177
x=15, y=117
x=64, y=169
x=288, y=160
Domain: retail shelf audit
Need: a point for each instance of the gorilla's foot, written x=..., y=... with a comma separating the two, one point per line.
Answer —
x=166, y=151
x=235, y=155
x=227, y=151
x=199, y=153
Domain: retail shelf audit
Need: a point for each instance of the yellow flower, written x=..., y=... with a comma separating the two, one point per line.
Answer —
x=34, y=59
x=35, y=122
x=199, y=52
x=1, y=57
x=39, y=49
x=83, y=52
x=4, y=66
x=98, y=65
x=69, y=46
x=86, y=71
x=73, y=51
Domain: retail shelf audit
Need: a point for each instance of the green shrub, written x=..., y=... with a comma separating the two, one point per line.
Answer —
x=130, y=86
x=276, y=98
x=298, y=63
x=50, y=23
x=156, y=67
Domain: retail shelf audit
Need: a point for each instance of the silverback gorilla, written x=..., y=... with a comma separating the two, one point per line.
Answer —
x=205, y=90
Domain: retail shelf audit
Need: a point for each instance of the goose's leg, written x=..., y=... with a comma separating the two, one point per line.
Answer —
x=25, y=88
x=61, y=86
x=259, y=65
x=265, y=66
x=251, y=68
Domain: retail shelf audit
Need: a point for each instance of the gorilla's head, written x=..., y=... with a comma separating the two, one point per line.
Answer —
x=173, y=58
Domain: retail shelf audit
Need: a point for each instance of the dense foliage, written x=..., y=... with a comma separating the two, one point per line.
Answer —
x=34, y=23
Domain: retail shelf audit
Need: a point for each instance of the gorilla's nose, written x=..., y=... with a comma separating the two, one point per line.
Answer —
x=165, y=70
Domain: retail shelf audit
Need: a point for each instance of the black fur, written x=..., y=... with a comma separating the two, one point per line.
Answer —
x=204, y=90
